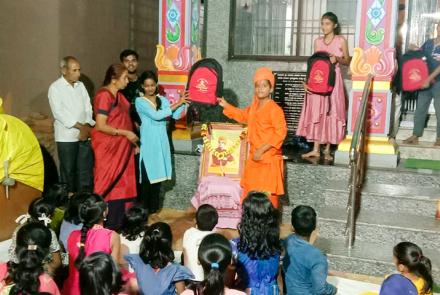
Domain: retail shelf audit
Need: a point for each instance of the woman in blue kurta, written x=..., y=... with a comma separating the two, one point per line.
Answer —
x=155, y=155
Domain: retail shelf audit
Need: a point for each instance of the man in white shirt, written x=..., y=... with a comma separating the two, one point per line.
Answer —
x=72, y=111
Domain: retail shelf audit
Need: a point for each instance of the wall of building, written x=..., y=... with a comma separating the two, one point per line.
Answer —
x=35, y=35
x=237, y=74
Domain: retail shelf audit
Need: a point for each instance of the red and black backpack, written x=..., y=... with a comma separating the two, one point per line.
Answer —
x=414, y=70
x=205, y=81
x=320, y=73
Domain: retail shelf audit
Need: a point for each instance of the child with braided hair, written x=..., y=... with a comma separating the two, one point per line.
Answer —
x=93, y=237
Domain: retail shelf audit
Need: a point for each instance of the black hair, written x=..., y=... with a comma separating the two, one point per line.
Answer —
x=71, y=214
x=303, y=220
x=99, y=275
x=334, y=19
x=39, y=208
x=57, y=194
x=214, y=255
x=114, y=71
x=411, y=256
x=33, y=242
x=155, y=248
x=150, y=75
x=91, y=212
x=206, y=217
x=259, y=227
x=127, y=52
x=134, y=223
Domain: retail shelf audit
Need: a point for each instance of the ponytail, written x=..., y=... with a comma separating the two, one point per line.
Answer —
x=91, y=212
x=33, y=242
x=213, y=283
x=411, y=256
x=155, y=248
x=82, y=242
x=215, y=255
x=423, y=270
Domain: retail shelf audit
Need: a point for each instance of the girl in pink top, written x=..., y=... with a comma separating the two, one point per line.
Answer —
x=93, y=237
x=215, y=255
x=323, y=118
x=27, y=276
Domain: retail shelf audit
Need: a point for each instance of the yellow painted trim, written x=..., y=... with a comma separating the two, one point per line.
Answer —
x=377, y=85
x=173, y=78
x=182, y=134
x=375, y=145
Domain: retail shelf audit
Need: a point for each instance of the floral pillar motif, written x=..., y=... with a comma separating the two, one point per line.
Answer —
x=375, y=53
x=178, y=46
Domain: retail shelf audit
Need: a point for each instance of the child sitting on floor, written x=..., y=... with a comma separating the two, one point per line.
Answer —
x=214, y=255
x=257, y=251
x=412, y=264
x=206, y=219
x=26, y=275
x=155, y=271
x=305, y=267
x=92, y=237
x=71, y=220
x=57, y=195
x=132, y=230
x=39, y=211
x=99, y=275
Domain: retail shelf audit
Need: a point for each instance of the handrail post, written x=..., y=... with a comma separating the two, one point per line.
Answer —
x=357, y=160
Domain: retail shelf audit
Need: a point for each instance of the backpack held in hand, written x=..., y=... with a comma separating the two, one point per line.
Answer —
x=414, y=71
x=205, y=81
x=320, y=73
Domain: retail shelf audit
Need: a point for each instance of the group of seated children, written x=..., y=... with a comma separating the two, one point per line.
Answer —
x=78, y=255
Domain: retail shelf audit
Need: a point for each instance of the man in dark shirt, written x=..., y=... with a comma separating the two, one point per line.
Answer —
x=431, y=48
x=129, y=58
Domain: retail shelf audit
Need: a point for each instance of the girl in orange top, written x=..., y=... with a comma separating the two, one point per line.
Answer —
x=264, y=170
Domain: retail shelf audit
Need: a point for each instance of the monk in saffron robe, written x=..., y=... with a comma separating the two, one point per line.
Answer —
x=264, y=170
x=114, y=145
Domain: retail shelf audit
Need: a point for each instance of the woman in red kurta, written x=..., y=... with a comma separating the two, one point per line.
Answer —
x=114, y=145
x=264, y=170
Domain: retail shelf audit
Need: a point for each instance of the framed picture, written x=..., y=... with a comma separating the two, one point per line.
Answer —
x=224, y=150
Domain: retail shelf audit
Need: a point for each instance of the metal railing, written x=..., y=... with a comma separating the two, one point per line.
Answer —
x=357, y=162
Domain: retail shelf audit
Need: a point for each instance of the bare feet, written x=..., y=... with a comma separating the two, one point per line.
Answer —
x=328, y=156
x=311, y=154
x=411, y=140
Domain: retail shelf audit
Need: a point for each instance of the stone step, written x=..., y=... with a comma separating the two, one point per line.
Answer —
x=384, y=228
x=409, y=118
x=423, y=150
x=388, y=198
x=368, y=258
x=429, y=134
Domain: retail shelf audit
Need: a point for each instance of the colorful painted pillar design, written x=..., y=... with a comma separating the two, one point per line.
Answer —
x=375, y=53
x=178, y=46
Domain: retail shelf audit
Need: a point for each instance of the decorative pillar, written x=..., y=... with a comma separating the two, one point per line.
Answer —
x=178, y=46
x=376, y=31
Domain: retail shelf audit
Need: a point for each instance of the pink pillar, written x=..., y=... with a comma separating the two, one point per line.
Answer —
x=374, y=53
x=178, y=46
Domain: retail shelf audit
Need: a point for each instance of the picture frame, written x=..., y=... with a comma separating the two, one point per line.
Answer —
x=225, y=150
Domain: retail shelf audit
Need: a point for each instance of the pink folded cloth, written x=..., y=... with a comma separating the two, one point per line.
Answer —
x=223, y=194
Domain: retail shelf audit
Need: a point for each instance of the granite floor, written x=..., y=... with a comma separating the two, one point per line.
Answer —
x=181, y=220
